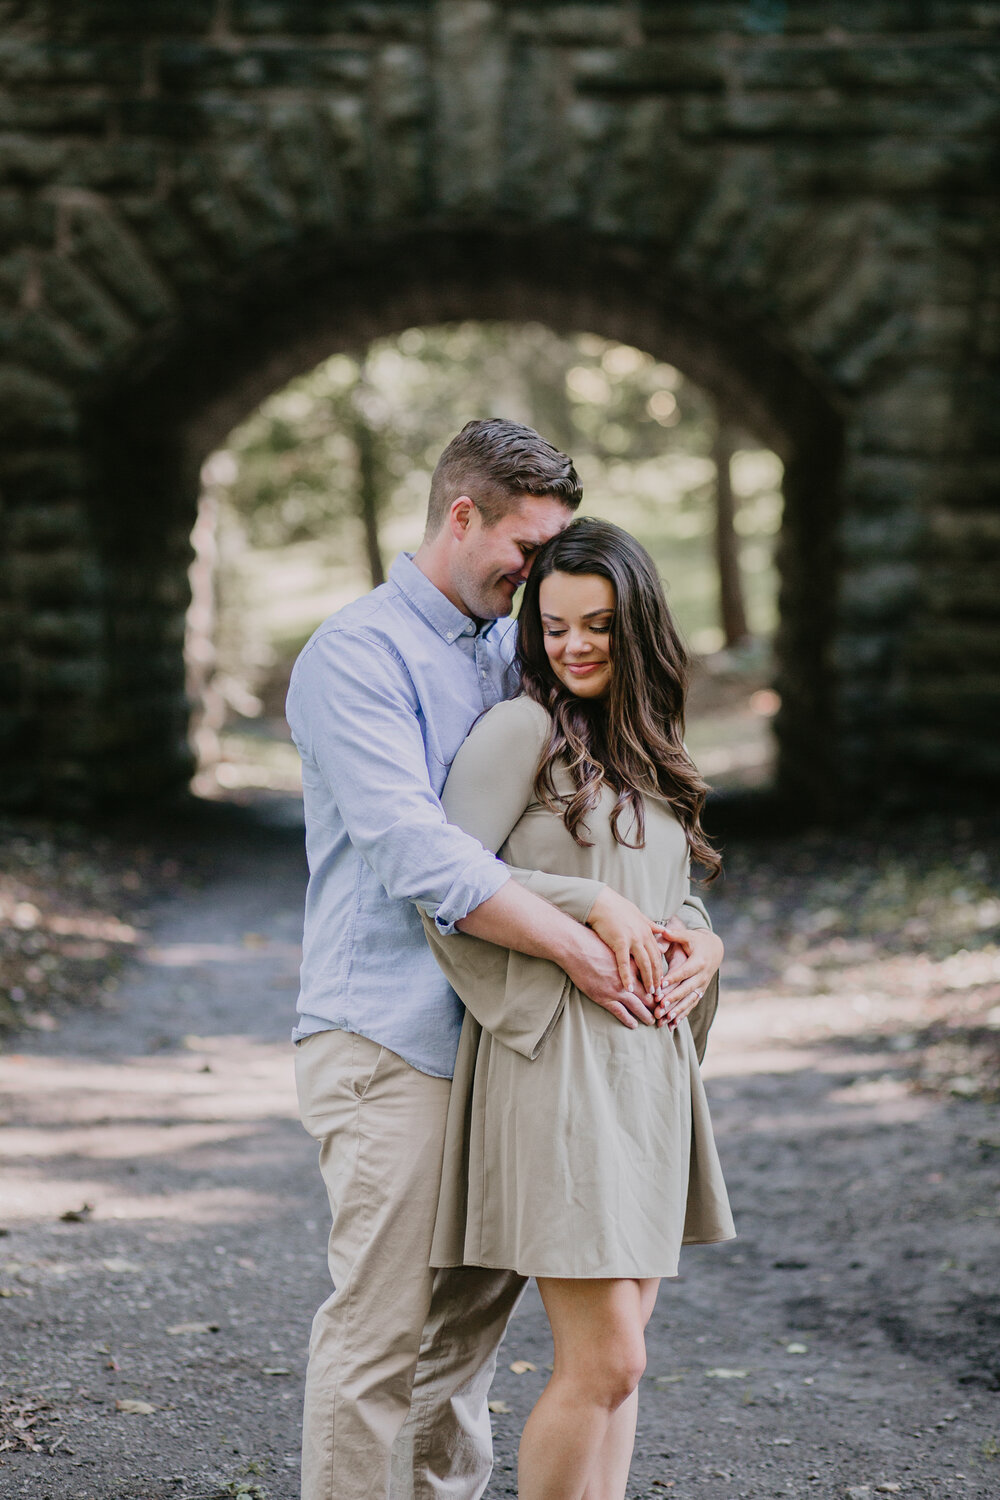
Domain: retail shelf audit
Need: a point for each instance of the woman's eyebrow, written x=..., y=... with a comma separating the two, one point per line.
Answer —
x=593, y=613
x=551, y=617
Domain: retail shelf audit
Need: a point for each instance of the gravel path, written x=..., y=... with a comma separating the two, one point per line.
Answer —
x=846, y=1345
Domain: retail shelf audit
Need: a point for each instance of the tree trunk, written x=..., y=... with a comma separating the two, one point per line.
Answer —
x=368, y=486
x=732, y=608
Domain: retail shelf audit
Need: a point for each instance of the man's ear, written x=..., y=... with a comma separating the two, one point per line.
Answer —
x=460, y=514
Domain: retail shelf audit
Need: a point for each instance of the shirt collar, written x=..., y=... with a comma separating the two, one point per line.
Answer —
x=446, y=618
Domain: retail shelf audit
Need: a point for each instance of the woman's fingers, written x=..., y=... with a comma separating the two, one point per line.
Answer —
x=623, y=958
x=683, y=1006
x=644, y=964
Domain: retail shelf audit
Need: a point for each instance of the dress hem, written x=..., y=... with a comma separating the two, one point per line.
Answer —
x=603, y=1275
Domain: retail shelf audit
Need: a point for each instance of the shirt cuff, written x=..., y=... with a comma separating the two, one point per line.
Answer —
x=476, y=884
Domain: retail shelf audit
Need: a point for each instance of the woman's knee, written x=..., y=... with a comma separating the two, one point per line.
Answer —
x=610, y=1378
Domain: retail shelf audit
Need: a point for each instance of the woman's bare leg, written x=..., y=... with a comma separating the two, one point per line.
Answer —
x=597, y=1329
x=609, y=1475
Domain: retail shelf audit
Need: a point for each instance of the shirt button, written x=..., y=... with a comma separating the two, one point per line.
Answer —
x=451, y=635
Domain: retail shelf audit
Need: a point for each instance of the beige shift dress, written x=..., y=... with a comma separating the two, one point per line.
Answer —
x=574, y=1146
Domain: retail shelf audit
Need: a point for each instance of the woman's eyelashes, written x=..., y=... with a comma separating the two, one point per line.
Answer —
x=592, y=629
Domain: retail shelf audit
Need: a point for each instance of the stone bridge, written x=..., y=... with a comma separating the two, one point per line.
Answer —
x=795, y=203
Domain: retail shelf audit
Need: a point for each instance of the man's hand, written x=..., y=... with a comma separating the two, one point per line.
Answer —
x=517, y=918
x=632, y=938
x=693, y=962
x=593, y=968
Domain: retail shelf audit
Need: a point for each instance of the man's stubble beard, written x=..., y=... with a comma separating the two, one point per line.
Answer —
x=485, y=601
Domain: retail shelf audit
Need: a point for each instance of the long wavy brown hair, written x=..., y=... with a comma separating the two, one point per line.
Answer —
x=632, y=740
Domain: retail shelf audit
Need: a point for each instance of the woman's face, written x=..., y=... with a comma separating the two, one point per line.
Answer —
x=577, y=610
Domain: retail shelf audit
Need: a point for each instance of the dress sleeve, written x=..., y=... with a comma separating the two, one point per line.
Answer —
x=517, y=998
x=492, y=781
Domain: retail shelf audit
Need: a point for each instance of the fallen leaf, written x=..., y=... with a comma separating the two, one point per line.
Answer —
x=275, y=1370
x=723, y=1374
x=500, y=1407
x=667, y=1380
x=177, y=1328
x=782, y=1442
x=77, y=1215
x=888, y=1489
x=522, y=1366
x=120, y=1266
x=796, y=1348
x=135, y=1408
x=859, y=1492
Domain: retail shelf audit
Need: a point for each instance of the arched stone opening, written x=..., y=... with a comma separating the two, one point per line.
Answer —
x=155, y=422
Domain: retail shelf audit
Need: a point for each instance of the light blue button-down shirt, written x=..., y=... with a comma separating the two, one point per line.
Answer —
x=380, y=699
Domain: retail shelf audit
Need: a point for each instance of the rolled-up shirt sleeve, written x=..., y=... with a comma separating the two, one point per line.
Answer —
x=355, y=716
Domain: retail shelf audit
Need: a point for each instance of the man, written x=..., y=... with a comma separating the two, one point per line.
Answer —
x=381, y=698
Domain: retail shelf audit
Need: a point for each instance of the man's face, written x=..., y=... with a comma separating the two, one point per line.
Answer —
x=491, y=562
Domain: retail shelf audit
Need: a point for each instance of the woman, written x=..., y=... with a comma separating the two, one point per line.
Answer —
x=580, y=1151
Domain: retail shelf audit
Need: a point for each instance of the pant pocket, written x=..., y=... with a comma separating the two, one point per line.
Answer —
x=367, y=1058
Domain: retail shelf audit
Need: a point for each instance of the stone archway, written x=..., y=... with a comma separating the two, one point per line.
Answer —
x=199, y=208
x=366, y=288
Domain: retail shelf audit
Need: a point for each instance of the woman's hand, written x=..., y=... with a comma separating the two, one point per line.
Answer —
x=633, y=939
x=693, y=962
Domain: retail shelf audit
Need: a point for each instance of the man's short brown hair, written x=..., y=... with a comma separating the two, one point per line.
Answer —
x=495, y=462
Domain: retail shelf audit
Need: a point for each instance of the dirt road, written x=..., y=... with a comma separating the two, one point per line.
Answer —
x=152, y=1346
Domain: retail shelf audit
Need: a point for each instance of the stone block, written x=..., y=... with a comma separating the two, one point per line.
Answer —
x=862, y=66
x=829, y=113
x=968, y=701
x=55, y=113
x=113, y=255
x=189, y=66
x=32, y=406
x=296, y=133
x=32, y=475
x=954, y=646
x=45, y=344
x=390, y=18
x=45, y=525
x=43, y=63
x=961, y=592
x=52, y=632
x=29, y=161
x=99, y=321
x=548, y=136
x=399, y=118
x=109, y=166
x=203, y=192
x=470, y=66
x=583, y=25
x=821, y=18
x=124, y=19
x=68, y=578
x=974, y=534
x=168, y=238
x=881, y=591
x=893, y=167
x=915, y=414
x=683, y=67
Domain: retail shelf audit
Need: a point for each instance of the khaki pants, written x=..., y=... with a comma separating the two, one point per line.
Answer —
x=401, y=1357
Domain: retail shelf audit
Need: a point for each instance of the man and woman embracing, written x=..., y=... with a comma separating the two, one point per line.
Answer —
x=506, y=984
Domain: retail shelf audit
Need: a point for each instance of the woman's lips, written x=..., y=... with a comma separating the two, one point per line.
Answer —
x=583, y=669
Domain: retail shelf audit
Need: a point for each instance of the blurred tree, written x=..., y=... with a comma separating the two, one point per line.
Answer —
x=732, y=608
